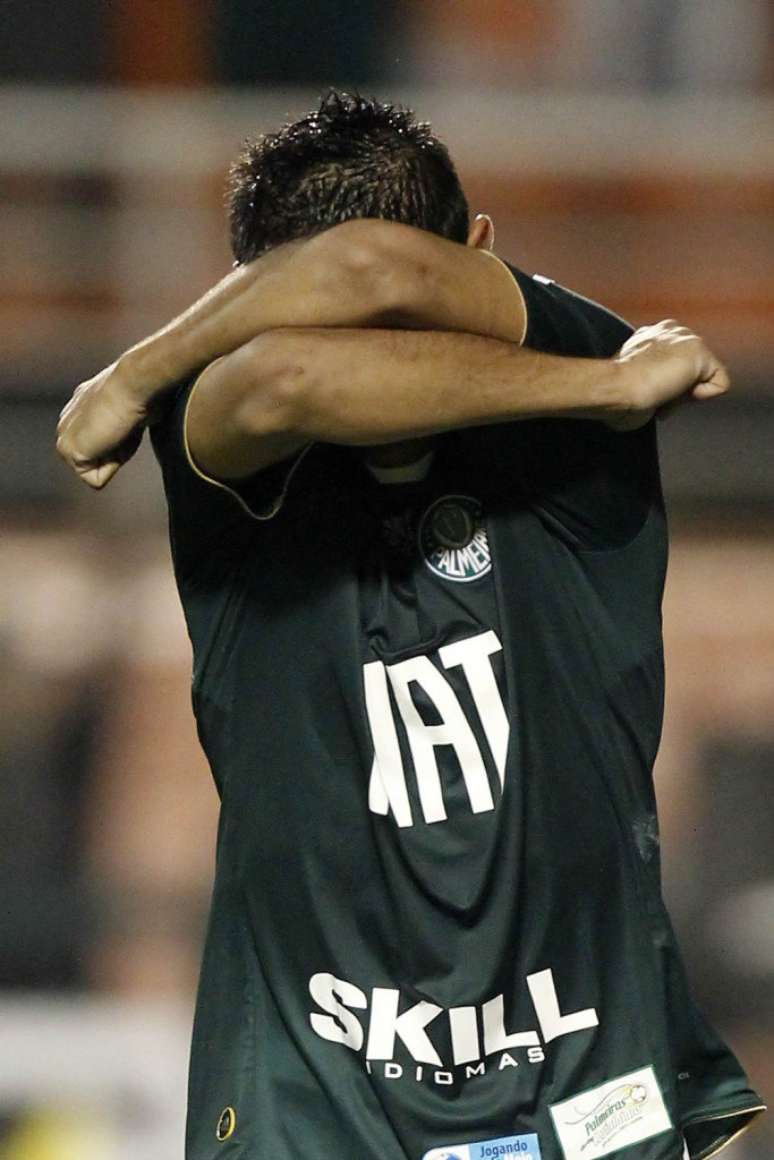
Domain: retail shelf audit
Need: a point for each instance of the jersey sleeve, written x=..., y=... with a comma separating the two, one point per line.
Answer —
x=211, y=522
x=594, y=485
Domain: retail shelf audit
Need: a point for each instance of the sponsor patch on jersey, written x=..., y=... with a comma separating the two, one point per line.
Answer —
x=506, y=1147
x=614, y=1115
x=453, y=539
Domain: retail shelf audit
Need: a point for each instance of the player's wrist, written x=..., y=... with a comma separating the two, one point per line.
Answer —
x=144, y=374
x=622, y=400
x=626, y=405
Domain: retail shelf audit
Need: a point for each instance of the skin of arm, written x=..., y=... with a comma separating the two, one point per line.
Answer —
x=360, y=273
x=287, y=388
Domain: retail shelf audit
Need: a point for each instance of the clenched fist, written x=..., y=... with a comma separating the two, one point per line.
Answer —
x=666, y=365
x=101, y=426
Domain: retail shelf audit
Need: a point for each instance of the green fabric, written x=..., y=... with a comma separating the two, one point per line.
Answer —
x=339, y=940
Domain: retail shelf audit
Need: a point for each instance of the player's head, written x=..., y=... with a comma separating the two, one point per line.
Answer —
x=350, y=158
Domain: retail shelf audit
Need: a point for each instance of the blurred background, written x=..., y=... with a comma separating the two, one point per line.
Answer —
x=625, y=149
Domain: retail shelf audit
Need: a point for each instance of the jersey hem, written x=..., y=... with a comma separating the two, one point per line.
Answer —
x=717, y=1146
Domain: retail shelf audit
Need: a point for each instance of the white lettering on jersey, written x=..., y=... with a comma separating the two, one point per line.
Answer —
x=423, y=739
x=495, y=1037
x=331, y=994
x=473, y=656
x=337, y=997
x=466, y=1045
x=386, y=1023
x=388, y=788
x=552, y=1022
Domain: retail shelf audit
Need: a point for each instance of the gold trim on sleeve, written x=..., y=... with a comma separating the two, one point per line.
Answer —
x=515, y=281
x=277, y=503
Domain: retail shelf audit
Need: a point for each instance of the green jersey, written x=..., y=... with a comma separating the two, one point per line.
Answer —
x=431, y=709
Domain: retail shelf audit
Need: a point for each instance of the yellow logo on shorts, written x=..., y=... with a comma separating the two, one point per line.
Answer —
x=226, y=1124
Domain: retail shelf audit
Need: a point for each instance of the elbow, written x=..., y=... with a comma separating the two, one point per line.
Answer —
x=377, y=261
x=277, y=381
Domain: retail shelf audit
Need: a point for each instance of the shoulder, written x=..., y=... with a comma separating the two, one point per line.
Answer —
x=562, y=321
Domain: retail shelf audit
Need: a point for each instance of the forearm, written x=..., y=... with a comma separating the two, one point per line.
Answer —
x=366, y=387
x=370, y=387
x=362, y=273
x=294, y=284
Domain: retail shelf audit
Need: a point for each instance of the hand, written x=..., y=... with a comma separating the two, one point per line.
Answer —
x=102, y=426
x=666, y=365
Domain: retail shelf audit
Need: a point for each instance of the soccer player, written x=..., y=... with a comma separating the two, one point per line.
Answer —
x=419, y=539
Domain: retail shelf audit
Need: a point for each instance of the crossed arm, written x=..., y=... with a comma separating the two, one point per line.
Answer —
x=309, y=376
x=287, y=388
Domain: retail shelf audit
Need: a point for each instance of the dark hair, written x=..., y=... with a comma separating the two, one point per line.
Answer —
x=350, y=158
